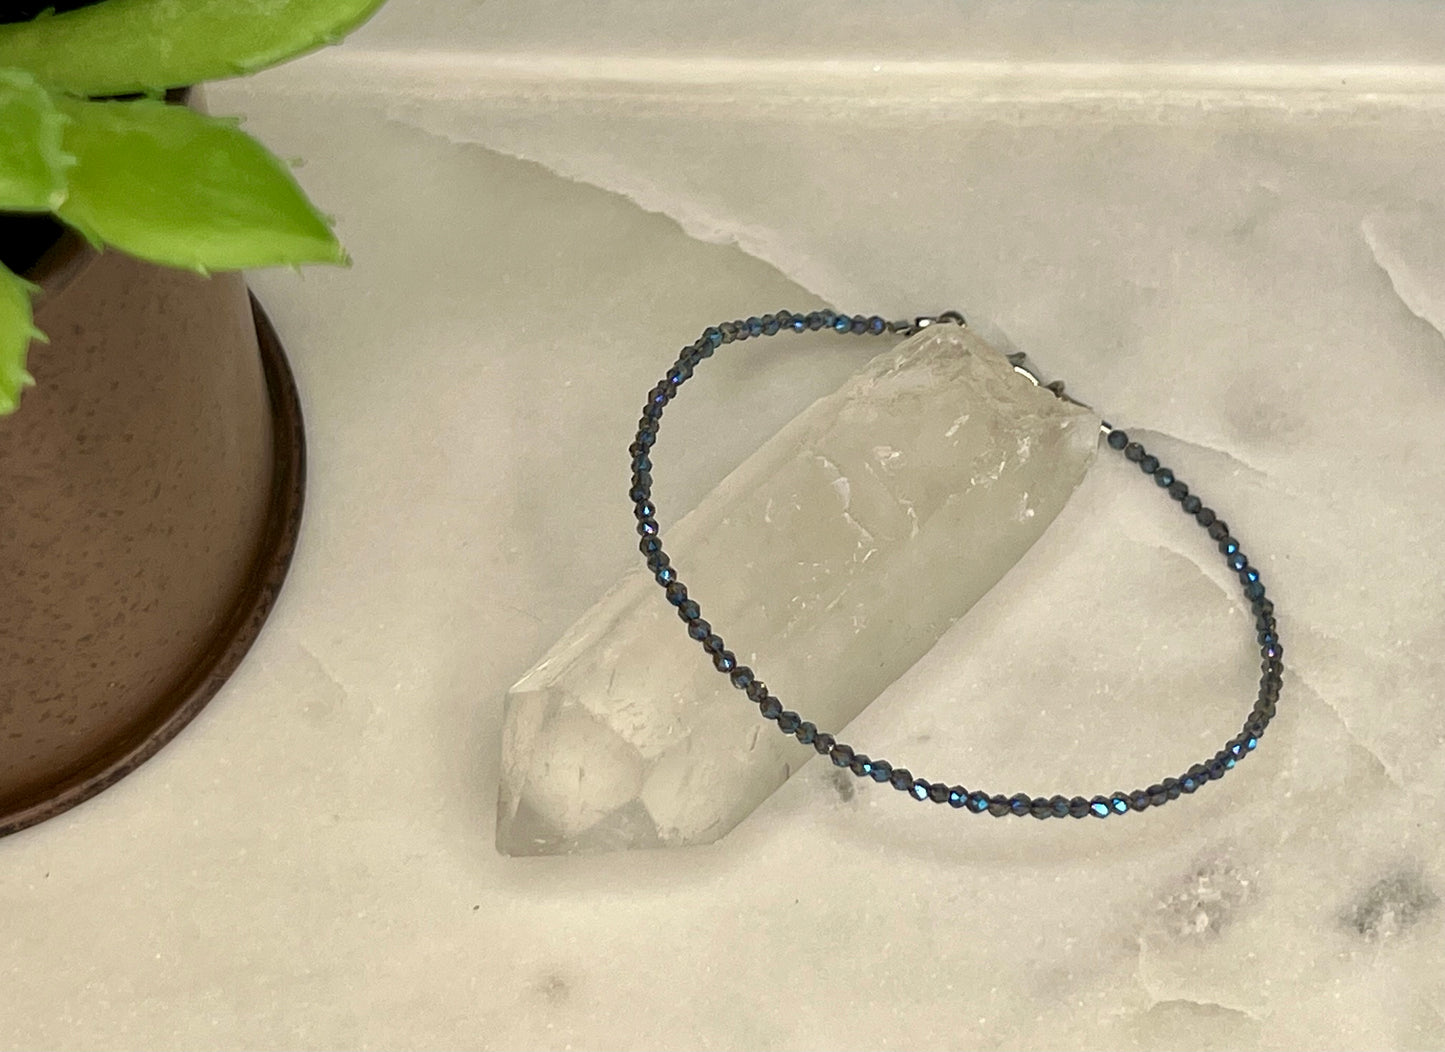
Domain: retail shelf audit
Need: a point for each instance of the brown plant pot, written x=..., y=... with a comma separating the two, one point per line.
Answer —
x=150, y=496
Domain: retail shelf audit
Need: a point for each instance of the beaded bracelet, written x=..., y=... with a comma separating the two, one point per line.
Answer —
x=974, y=800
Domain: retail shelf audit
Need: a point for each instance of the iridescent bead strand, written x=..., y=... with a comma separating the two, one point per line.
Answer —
x=844, y=756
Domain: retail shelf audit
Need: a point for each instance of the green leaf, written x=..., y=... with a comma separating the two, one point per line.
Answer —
x=179, y=188
x=32, y=162
x=122, y=46
x=17, y=329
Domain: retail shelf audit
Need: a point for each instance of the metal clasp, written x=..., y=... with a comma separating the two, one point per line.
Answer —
x=1019, y=362
x=917, y=325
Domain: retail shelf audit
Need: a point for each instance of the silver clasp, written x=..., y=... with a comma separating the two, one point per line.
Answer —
x=1019, y=362
x=917, y=325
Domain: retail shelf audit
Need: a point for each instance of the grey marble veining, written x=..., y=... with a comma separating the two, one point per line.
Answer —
x=1251, y=287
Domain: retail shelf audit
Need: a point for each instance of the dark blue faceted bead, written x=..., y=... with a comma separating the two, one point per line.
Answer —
x=1248, y=575
x=755, y=326
x=1237, y=560
x=1178, y=490
x=1254, y=590
x=648, y=545
x=652, y=412
x=882, y=771
x=757, y=690
x=1191, y=504
x=770, y=707
x=1272, y=651
x=1134, y=452
x=1149, y=464
x=1164, y=477
x=861, y=765
x=1059, y=806
x=713, y=335
x=644, y=509
x=860, y=325
x=978, y=802
x=646, y=439
x=1118, y=439
x=688, y=609
x=901, y=779
x=1119, y=803
x=698, y=629
x=678, y=374
x=1215, y=767
x=647, y=528
x=957, y=796
x=1158, y=795
x=1236, y=748
x=1019, y=804
x=658, y=559
x=1171, y=788
x=1079, y=807
x=724, y=661
x=1204, y=516
x=1040, y=808
x=741, y=676
x=770, y=325
x=641, y=462
x=1099, y=807
x=918, y=789
x=998, y=805
x=639, y=493
x=1199, y=773
x=1139, y=800
x=807, y=733
x=799, y=323
x=1251, y=741
x=788, y=721
x=815, y=321
x=713, y=644
x=676, y=593
x=877, y=326
x=1218, y=530
x=841, y=755
x=1188, y=783
x=842, y=323
x=740, y=330
x=823, y=743
x=785, y=318
x=1223, y=756
x=665, y=576
x=938, y=792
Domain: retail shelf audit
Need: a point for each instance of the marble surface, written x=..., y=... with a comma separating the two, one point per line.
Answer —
x=1245, y=268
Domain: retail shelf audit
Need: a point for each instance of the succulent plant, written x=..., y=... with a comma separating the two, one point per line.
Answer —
x=89, y=140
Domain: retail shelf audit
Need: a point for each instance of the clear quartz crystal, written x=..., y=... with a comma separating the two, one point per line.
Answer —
x=830, y=561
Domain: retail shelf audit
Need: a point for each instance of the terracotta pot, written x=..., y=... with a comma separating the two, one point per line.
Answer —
x=150, y=494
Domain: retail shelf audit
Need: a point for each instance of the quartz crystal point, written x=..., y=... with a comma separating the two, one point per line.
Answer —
x=830, y=560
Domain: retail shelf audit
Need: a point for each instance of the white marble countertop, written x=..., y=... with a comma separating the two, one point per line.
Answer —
x=1242, y=260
